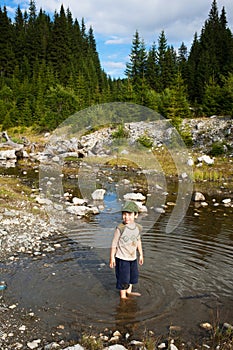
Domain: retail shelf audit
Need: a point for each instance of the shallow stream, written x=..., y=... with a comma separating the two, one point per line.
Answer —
x=186, y=279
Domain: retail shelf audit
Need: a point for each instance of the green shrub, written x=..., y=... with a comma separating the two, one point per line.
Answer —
x=218, y=148
x=121, y=132
x=145, y=140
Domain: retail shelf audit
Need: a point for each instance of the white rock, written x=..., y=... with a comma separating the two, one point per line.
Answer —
x=8, y=154
x=82, y=210
x=206, y=159
x=134, y=197
x=206, y=325
x=173, y=347
x=159, y=210
x=18, y=346
x=226, y=200
x=33, y=344
x=114, y=338
x=184, y=176
x=56, y=159
x=79, y=201
x=142, y=208
x=158, y=187
x=116, y=334
x=198, y=196
x=125, y=182
x=98, y=195
x=136, y=342
x=190, y=162
x=75, y=347
x=115, y=347
x=124, y=152
x=52, y=346
x=41, y=200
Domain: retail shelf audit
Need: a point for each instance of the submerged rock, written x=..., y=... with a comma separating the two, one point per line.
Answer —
x=98, y=195
x=198, y=197
x=134, y=197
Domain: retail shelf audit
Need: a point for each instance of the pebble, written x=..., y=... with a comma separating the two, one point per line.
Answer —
x=206, y=326
x=226, y=200
x=33, y=344
x=173, y=347
x=52, y=346
x=75, y=347
x=115, y=347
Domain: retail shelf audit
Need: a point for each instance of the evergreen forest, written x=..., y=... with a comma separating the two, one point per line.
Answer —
x=50, y=69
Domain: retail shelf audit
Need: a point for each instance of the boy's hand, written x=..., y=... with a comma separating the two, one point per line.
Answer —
x=112, y=263
x=141, y=260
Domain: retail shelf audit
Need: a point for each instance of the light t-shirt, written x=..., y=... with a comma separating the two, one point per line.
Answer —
x=125, y=240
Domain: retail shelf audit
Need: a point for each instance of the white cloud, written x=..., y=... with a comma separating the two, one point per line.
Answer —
x=115, y=22
x=114, y=69
x=121, y=18
x=115, y=40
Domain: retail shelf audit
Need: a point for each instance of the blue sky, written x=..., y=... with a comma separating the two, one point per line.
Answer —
x=115, y=21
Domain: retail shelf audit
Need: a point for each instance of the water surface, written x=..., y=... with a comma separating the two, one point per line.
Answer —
x=186, y=279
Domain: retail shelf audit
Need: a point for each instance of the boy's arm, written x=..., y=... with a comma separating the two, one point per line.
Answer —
x=112, y=262
x=139, y=247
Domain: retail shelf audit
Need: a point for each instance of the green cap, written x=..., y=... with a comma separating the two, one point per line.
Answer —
x=130, y=207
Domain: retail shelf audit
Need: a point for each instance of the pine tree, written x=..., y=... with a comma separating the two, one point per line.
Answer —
x=19, y=35
x=6, y=45
x=211, y=57
x=151, y=72
x=136, y=68
x=166, y=63
x=182, y=61
x=59, y=48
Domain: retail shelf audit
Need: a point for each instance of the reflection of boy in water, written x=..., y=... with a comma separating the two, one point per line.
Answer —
x=123, y=254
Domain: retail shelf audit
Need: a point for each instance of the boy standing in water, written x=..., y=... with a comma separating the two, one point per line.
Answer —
x=123, y=255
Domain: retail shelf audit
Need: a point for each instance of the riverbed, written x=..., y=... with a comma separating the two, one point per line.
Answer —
x=186, y=279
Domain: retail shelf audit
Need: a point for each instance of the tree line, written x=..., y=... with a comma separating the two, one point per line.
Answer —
x=50, y=69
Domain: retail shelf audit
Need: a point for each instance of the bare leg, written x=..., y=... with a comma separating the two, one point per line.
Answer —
x=123, y=293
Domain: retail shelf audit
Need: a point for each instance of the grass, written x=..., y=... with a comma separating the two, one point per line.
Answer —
x=221, y=170
x=11, y=189
x=16, y=134
x=15, y=195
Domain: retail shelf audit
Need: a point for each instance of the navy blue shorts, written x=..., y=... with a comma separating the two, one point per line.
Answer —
x=126, y=273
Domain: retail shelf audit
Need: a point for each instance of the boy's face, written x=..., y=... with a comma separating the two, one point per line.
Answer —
x=128, y=218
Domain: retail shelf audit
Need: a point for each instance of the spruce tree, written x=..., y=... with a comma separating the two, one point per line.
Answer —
x=6, y=45
x=151, y=72
x=136, y=68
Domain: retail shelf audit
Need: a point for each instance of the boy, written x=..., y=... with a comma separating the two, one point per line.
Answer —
x=123, y=253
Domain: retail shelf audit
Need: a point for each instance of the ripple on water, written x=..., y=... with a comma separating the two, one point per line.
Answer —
x=185, y=275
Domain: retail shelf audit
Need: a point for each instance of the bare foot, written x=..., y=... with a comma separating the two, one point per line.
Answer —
x=134, y=294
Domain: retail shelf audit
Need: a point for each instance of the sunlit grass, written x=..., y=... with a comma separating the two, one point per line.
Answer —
x=12, y=191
